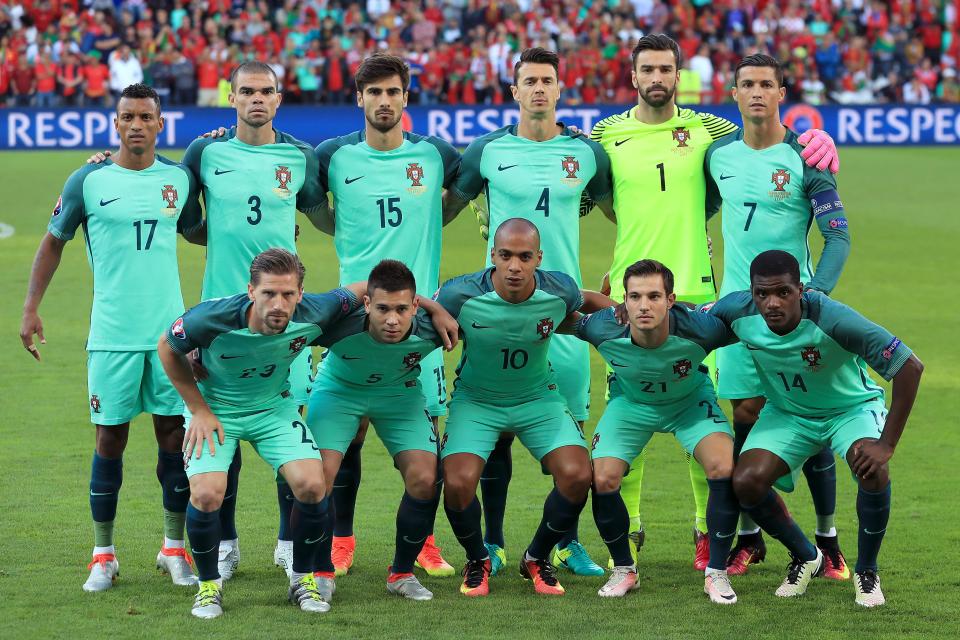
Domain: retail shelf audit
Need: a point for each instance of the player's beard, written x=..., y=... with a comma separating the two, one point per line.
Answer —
x=659, y=102
x=384, y=127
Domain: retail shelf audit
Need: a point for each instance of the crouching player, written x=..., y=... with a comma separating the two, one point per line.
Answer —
x=659, y=384
x=810, y=353
x=247, y=344
x=372, y=370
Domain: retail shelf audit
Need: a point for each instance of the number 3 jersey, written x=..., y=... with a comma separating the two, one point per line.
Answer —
x=248, y=371
x=388, y=203
x=251, y=194
x=130, y=220
x=666, y=374
x=819, y=368
x=505, y=344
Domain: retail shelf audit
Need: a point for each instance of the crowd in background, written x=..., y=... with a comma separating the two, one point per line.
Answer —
x=73, y=52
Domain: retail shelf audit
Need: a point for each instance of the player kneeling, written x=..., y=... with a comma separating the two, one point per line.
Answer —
x=247, y=343
x=659, y=385
x=810, y=353
x=371, y=370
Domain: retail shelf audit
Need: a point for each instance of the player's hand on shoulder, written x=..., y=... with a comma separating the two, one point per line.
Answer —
x=605, y=284
x=445, y=324
x=869, y=457
x=219, y=132
x=620, y=313
x=819, y=150
x=99, y=158
x=574, y=129
x=31, y=325
x=199, y=371
x=203, y=426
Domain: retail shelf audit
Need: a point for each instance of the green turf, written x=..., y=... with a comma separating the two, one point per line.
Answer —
x=902, y=208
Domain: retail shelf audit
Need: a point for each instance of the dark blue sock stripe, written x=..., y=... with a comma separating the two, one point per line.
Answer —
x=308, y=526
x=285, y=504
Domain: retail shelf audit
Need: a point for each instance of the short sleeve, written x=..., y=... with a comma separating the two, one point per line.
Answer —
x=883, y=351
x=338, y=330
x=599, y=327
x=704, y=329
x=324, y=309
x=70, y=209
x=324, y=152
x=730, y=307
x=450, y=158
x=191, y=214
x=425, y=330
x=716, y=126
x=714, y=201
x=313, y=192
x=192, y=156
x=200, y=326
x=469, y=181
x=564, y=287
x=600, y=186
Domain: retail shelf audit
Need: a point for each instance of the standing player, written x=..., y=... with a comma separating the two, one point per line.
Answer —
x=507, y=316
x=538, y=170
x=371, y=370
x=387, y=186
x=254, y=180
x=249, y=342
x=772, y=206
x=656, y=154
x=810, y=354
x=131, y=210
x=659, y=384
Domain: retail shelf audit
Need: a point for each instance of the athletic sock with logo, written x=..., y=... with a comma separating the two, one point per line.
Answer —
x=176, y=493
x=873, y=509
x=722, y=514
x=203, y=529
x=106, y=476
x=414, y=520
x=308, y=525
x=559, y=516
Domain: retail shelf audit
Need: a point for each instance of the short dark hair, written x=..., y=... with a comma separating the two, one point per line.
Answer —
x=515, y=224
x=775, y=263
x=391, y=276
x=381, y=66
x=253, y=66
x=536, y=55
x=278, y=262
x=649, y=267
x=140, y=91
x=760, y=60
x=657, y=42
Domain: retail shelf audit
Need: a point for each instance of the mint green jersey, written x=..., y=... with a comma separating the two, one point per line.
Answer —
x=130, y=220
x=249, y=371
x=251, y=195
x=669, y=373
x=388, y=203
x=539, y=181
x=770, y=199
x=354, y=359
x=505, y=344
x=819, y=368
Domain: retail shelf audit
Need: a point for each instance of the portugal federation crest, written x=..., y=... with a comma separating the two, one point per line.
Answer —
x=682, y=136
x=282, y=176
x=780, y=180
x=571, y=165
x=682, y=368
x=595, y=441
x=297, y=344
x=170, y=196
x=545, y=328
x=412, y=359
x=95, y=403
x=811, y=355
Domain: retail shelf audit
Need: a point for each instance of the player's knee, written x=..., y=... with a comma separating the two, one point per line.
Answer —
x=310, y=489
x=749, y=485
x=420, y=483
x=747, y=411
x=878, y=481
x=205, y=497
x=459, y=488
x=606, y=481
x=718, y=468
x=111, y=442
x=574, y=480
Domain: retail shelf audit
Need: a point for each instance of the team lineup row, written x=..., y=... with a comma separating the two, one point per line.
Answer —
x=390, y=202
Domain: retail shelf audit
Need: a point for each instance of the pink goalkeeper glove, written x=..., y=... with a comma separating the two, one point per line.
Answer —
x=819, y=150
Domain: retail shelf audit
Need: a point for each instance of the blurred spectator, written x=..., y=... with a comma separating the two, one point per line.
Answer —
x=814, y=91
x=915, y=92
x=184, y=81
x=95, y=78
x=125, y=70
x=46, y=74
x=949, y=90
x=23, y=82
x=69, y=79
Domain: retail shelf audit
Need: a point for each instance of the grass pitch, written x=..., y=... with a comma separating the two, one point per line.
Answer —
x=902, y=208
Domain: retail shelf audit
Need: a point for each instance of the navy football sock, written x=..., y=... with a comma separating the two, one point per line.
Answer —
x=203, y=529
x=772, y=516
x=722, y=514
x=873, y=509
x=308, y=525
x=345, y=488
x=285, y=502
x=613, y=523
x=466, y=527
x=494, y=482
x=228, y=509
x=821, y=473
x=559, y=516
x=106, y=476
x=414, y=518
x=176, y=492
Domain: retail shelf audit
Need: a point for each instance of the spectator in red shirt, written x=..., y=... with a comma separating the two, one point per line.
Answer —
x=23, y=82
x=4, y=82
x=95, y=77
x=336, y=75
x=69, y=79
x=46, y=73
x=208, y=81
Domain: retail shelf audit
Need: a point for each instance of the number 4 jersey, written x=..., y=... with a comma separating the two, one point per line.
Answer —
x=130, y=220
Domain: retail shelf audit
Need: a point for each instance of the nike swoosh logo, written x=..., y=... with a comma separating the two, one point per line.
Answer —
x=500, y=167
x=104, y=203
x=818, y=469
x=617, y=364
x=874, y=533
x=749, y=348
x=549, y=526
x=181, y=489
x=409, y=541
x=224, y=356
x=720, y=536
x=723, y=177
x=478, y=326
x=105, y=493
x=620, y=142
x=350, y=180
x=213, y=548
x=314, y=541
x=220, y=172
x=349, y=358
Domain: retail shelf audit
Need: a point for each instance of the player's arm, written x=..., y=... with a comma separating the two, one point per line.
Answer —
x=468, y=182
x=203, y=424
x=67, y=216
x=446, y=326
x=191, y=224
x=45, y=264
x=594, y=301
x=600, y=186
x=453, y=204
x=321, y=212
x=322, y=217
x=827, y=209
x=569, y=324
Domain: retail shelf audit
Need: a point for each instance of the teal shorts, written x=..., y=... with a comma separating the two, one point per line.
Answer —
x=301, y=377
x=398, y=415
x=626, y=427
x=737, y=376
x=794, y=438
x=124, y=384
x=433, y=383
x=542, y=424
x=570, y=361
x=278, y=435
